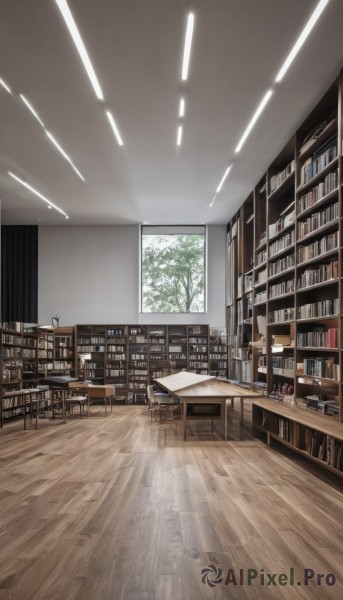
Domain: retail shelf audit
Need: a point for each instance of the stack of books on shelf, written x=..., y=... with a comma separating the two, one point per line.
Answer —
x=318, y=219
x=325, y=308
x=277, y=180
x=321, y=159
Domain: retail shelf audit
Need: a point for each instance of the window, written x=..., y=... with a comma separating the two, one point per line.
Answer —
x=173, y=274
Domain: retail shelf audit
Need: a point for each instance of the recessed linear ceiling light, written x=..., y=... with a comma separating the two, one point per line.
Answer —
x=187, y=49
x=64, y=154
x=301, y=39
x=182, y=108
x=213, y=199
x=69, y=20
x=5, y=86
x=179, y=135
x=223, y=179
x=32, y=110
x=50, y=136
x=253, y=120
x=115, y=128
x=29, y=187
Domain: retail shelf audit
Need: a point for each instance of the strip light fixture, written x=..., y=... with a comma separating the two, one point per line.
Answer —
x=187, y=48
x=213, y=199
x=34, y=191
x=223, y=178
x=74, y=32
x=114, y=127
x=50, y=136
x=182, y=108
x=256, y=115
x=5, y=86
x=32, y=110
x=301, y=39
x=179, y=135
x=64, y=154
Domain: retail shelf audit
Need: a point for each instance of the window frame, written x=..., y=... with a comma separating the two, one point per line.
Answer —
x=159, y=231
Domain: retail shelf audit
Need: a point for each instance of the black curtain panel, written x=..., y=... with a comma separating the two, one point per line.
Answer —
x=19, y=273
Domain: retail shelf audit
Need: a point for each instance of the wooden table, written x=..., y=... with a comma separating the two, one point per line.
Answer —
x=201, y=390
x=103, y=392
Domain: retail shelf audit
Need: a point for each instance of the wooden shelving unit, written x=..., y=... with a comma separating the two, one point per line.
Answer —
x=295, y=280
x=116, y=357
x=138, y=364
x=130, y=357
x=19, y=368
x=198, y=349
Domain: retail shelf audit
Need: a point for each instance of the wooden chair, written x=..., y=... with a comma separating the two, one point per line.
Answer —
x=77, y=397
x=153, y=404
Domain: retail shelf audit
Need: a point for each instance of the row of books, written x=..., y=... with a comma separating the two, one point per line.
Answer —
x=261, y=297
x=316, y=444
x=90, y=340
x=115, y=372
x=279, y=289
x=277, y=180
x=317, y=193
x=318, y=219
x=198, y=348
x=317, y=248
x=9, y=339
x=324, y=368
x=91, y=349
x=283, y=362
x=282, y=243
x=319, y=274
x=117, y=331
x=282, y=315
x=324, y=308
x=261, y=277
x=11, y=352
x=29, y=353
x=280, y=427
x=47, y=354
x=320, y=337
x=316, y=163
x=217, y=349
x=287, y=262
x=261, y=257
x=116, y=356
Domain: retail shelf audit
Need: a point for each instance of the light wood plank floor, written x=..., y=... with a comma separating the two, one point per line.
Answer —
x=122, y=509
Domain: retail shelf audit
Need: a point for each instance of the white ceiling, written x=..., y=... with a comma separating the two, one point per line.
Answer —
x=136, y=49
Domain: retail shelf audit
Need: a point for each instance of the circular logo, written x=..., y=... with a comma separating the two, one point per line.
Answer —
x=211, y=576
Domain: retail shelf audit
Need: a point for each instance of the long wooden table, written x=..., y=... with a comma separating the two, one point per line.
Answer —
x=197, y=391
x=98, y=392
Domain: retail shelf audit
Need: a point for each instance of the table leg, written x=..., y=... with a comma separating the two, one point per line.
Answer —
x=64, y=414
x=232, y=399
x=225, y=419
x=241, y=410
x=24, y=412
x=184, y=419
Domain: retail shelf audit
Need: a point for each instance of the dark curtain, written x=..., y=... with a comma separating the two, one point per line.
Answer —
x=19, y=273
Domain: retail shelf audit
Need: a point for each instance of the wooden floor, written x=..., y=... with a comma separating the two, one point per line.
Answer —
x=122, y=509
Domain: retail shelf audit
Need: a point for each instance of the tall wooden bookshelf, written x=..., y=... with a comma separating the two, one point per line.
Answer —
x=130, y=357
x=294, y=283
x=18, y=367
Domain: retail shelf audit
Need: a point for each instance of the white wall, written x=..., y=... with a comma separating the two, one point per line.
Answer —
x=89, y=274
